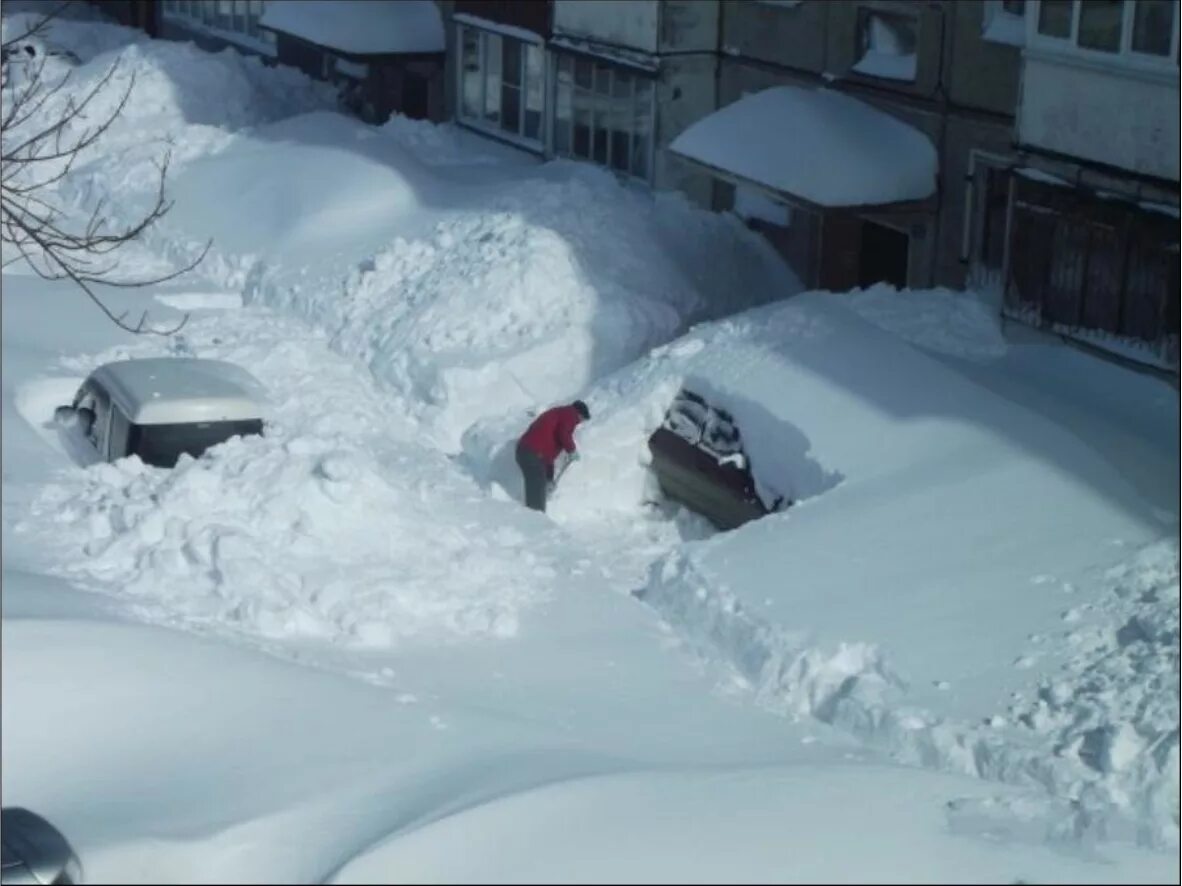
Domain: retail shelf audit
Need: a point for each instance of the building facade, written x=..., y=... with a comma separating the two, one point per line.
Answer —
x=1091, y=245
x=215, y=24
x=609, y=83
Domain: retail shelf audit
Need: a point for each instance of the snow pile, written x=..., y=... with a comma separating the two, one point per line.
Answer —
x=1105, y=741
x=497, y=309
x=817, y=144
x=445, y=144
x=288, y=208
x=960, y=324
x=165, y=114
x=1113, y=706
x=317, y=530
x=855, y=606
x=65, y=37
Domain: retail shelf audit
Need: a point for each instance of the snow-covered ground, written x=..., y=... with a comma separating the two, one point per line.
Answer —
x=344, y=652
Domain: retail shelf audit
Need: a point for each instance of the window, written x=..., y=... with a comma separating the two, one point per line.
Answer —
x=1054, y=18
x=471, y=85
x=120, y=428
x=886, y=46
x=502, y=83
x=603, y=113
x=1005, y=22
x=1099, y=24
x=235, y=20
x=1143, y=33
x=492, y=78
x=1153, y=26
x=163, y=445
x=97, y=400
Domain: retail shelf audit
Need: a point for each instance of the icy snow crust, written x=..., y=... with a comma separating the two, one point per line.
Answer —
x=963, y=585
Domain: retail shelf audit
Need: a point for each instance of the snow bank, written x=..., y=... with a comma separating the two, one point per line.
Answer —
x=1101, y=736
x=828, y=148
x=887, y=600
x=769, y=825
x=497, y=300
x=960, y=324
x=1112, y=707
x=165, y=115
x=316, y=530
x=299, y=195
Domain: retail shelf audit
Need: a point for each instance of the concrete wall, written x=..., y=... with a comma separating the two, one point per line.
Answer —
x=980, y=74
x=791, y=36
x=627, y=23
x=962, y=135
x=688, y=25
x=1117, y=116
x=685, y=94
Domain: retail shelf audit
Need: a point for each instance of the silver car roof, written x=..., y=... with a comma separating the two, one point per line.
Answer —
x=178, y=390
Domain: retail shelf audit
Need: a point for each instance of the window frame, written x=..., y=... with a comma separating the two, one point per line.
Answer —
x=1124, y=57
x=994, y=12
x=595, y=106
x=480, y=121
x=242, y=22
x=865, y=14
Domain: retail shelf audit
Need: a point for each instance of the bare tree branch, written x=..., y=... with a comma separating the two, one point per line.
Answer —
x=39, y=148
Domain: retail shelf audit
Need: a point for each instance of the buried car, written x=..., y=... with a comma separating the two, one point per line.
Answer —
x=699, y=461
x=161, y=408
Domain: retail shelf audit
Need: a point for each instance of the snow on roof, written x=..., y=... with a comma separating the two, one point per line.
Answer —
x=361, y=27
x=173, y=390
x=819, y=145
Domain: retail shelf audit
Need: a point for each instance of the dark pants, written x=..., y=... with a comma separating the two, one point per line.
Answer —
x=536, y=476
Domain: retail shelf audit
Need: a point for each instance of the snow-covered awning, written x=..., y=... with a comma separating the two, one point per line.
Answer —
x=818, y=146
x=360, y=27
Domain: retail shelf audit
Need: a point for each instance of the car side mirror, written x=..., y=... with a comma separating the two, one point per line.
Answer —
x=34, y=851
x=65, y=415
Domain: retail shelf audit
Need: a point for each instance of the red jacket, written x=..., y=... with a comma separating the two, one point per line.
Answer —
x=552, y=432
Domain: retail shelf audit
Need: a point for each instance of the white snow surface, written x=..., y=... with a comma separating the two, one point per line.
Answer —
x=333, y=652
x=828, y=148
x=960, y=324
x=360, y=27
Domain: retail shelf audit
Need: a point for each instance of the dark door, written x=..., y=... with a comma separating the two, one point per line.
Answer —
x=883, y=257
x=415, y=92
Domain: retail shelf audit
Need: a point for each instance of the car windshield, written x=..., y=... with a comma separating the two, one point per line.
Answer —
x=162, y=445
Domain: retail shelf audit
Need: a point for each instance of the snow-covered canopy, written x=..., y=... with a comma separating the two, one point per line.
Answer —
x=362, y=28
x=819, y=145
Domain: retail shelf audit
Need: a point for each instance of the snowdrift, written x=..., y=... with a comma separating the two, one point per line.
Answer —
x=938, y=533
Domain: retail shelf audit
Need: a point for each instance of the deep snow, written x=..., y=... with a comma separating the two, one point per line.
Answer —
x=327, y=651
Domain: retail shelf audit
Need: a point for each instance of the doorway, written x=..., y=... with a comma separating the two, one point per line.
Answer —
x=415, y=95
x=884, y=255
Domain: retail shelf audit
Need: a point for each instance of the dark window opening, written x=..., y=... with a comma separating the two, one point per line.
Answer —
x=415, y=96
x=883, y=256
x=162, y=445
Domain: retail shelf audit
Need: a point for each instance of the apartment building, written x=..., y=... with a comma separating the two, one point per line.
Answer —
x=1090, y=247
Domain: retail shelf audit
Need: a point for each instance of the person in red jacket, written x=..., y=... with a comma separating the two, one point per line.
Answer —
x=551, y=433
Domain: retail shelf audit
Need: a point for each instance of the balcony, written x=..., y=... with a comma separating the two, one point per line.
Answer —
x=1100, y=83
